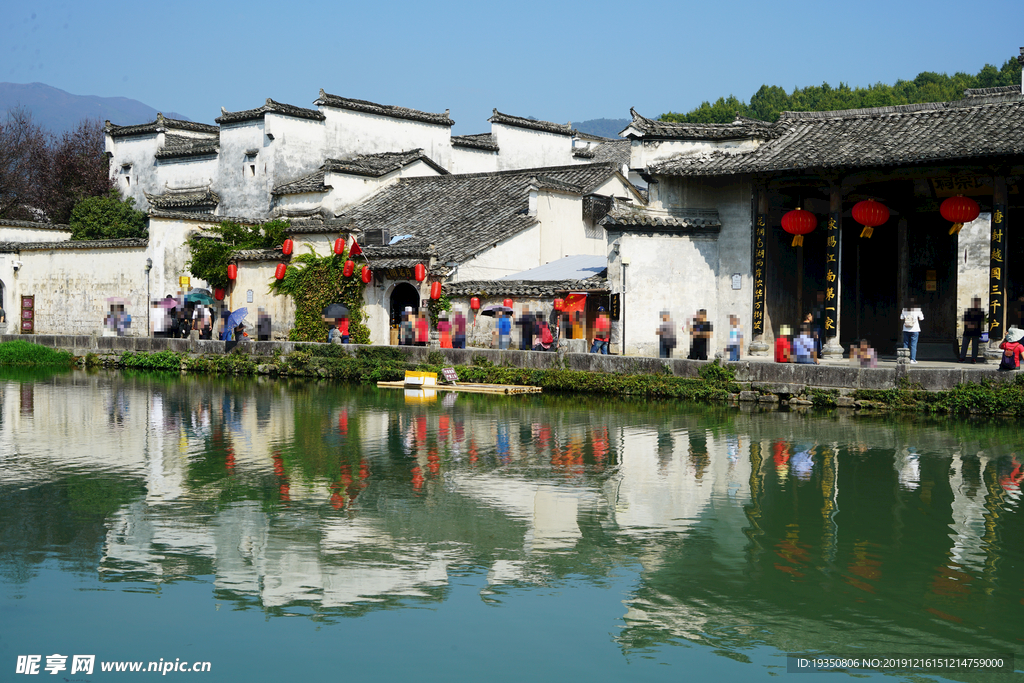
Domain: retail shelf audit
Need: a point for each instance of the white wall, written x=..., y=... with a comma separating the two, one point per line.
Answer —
x=528, y=148
x=139, y=151
x=643, y=153
x=35, y=232
x=352, y=132
x=257, y=276
x=466, y=160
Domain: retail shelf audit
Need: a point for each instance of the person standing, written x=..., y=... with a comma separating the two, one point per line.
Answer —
x=735, y=338
x=700, y=336
x=783, y=346
x=504, y=330
x=1012, y=348
x=818, y=323
x=422, y=327
x=444, y=328
x=459, y=329
x=974, y=318
x=911, y=317
x=602, y=332
x=667, y=336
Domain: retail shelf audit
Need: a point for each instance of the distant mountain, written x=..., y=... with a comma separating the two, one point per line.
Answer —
x=59, y=111
x=605, y=128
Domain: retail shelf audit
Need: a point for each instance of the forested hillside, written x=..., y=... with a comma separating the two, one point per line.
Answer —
x=770, y=100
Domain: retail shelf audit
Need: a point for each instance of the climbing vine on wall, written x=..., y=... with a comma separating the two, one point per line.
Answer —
x=313, y=282
x=435, y=306
x=211, y=251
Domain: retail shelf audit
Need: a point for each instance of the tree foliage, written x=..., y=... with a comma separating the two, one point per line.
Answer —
x=21, y=145
x=211, y=251
x=315, y=281
x=107, y=217
x=771, y=100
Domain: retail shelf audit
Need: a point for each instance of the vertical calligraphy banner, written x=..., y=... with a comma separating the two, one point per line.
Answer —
x=997, y=274
x=759, y=272
x=832, y=240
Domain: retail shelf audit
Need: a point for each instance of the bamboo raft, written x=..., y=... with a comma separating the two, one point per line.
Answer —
x=505, y=389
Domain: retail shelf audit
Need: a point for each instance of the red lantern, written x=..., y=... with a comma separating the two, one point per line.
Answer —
x=287, y=246
x=280, y=270
x=507, y=303
x=959, y=210
x=435, y=290
x=348, y=269
x=232, y=271
x=339, y=247
x=559, y=304
x=218, y=294
x=366, y=275
x=421, y=272
x=474, y=303
x=798, y=223
x=870, y=214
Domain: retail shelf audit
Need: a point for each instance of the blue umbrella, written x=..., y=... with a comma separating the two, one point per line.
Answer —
x=232, y=322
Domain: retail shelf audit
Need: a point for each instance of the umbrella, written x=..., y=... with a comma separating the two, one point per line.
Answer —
x=201, y=296
x=232, y=322
x=335, y=311
x=167, y=303
x=117, y=300
x=495, y=310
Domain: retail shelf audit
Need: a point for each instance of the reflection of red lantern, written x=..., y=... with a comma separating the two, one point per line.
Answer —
x=232, y=271
x=559, y=304
x=959, y=210
x=435, y=290
x=280, y=270
x=366, y=275
x=218, y=294
x=507, y=303
x=339, y=247
x=798, y=223
x=287, y=247
x=474, y=303
x=870, y=214
x=421, y=272
x=348, y=269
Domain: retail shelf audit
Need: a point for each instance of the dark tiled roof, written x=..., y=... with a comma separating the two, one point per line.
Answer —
x=583, y=153
x=270, y=107
x=314, y=182
x=161, y=122
x=637, y=218
x=182, y=198
x=258, y=255
x=882, y=136
x=477, y=141
x=74, y=244
x=462, y=215
x=614, y=150
x=182, y=146
x=201, y=217
x=545, y=182
x=317, y=224
x=520, y=122
x=7, y=222
x=740, y=129
x=327, y=100
x=377, y=165
x=531, y=289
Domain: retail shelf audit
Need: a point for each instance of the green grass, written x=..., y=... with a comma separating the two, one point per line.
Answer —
x=26, y=353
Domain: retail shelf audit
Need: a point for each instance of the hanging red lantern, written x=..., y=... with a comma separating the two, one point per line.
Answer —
x=281, y=269
x=959, y=210
x=287, y=246
x=435, y=290
x=218, y=294
x=366, y=275
x=421, y=272
x=348, y=269
x=559, y=304
x=870, y=214
x=232, y=271
x=507, y=303
x=474, y=303
x=339, y=247
x=798, y=223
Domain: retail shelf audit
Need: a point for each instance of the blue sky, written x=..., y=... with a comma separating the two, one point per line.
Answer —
x=556, y=61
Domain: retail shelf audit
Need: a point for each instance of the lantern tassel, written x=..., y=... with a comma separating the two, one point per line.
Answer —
x=798, y=240
x=867, y=231
x=955, y=230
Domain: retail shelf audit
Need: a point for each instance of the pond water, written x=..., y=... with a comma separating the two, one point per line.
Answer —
x=313, y=531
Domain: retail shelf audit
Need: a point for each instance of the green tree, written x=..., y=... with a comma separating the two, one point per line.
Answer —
x=107, y=217
x=211, y=251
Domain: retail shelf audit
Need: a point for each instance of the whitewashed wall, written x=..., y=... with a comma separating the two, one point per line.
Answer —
x=257, y=276
x=528, y=148
x=643, y=153
x=139, y=151
x=33, y=232
x=471, y=160
x=172, y=174
x=243, y=190
x=351, y=132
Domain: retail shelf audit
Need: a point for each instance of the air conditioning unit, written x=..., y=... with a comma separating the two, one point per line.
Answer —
x=376, y=237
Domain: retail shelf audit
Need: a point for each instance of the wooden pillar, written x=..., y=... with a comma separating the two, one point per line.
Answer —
x=997, y=265
x=759, y=270
x=833, y=272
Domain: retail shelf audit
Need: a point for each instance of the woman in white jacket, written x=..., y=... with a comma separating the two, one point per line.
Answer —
x=911, y=317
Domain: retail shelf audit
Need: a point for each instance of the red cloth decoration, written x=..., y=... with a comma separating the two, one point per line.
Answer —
x=218, y=294
x=287, y=246
x=959, y=210
x=507, y=303
x=870, y=214
x=355, y=250
x=421, y=272
x=339, y=247
x=798, y=223
x=474, y=303
x=232, y=271
x=348, y=269
x=366, y=275
x=435, y=290
x=280, y=270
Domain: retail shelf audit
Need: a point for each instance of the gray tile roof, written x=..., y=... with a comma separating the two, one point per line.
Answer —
x=614, y=150
x=740, y=129
x=314, y=182
x=75, y=244
x=377, y=165
x=183, y=146
x=326, y=100
x=190, y=197
x=583, y=153
x=520, y=122
x=258, y=255
x=477, y=141
x=201, y=217
x=632, y=218
x=990, y=124
x=526, y=289
x=578, y=267
x=270, y=107
x=7, y=222
x=161, y=122
x=462, y=215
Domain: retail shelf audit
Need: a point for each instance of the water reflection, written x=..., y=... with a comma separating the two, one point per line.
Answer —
x=744, y=531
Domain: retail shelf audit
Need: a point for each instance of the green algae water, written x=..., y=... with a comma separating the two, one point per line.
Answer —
x=268, y=531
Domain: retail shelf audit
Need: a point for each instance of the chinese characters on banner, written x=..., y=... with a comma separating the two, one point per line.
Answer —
x=759, y=271
x=997, y=273
x=831, y=289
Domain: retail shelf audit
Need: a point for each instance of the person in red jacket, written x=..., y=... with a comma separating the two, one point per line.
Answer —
x=1012, y=348
x=602, y=332
x=784, y=346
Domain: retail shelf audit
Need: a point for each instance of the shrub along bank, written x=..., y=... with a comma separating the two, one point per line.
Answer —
x=26, y=353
